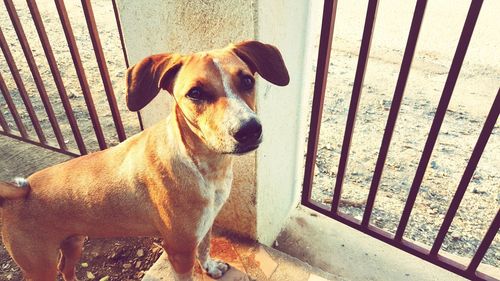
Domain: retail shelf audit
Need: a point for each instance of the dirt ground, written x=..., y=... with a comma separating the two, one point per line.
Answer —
x=116, y=259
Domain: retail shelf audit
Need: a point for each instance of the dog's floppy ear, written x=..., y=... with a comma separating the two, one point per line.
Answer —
x=146, y=78
x=264, y=59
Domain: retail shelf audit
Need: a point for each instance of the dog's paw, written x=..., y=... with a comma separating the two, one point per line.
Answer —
x=215, y=268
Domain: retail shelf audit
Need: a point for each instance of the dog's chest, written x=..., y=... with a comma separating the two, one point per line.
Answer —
x=215, y=187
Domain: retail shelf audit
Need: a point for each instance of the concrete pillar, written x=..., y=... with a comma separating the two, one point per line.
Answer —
x=266, y=182
x=283, y=112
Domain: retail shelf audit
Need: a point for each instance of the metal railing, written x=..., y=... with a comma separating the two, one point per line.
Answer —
x=20, y=132
x=396, y=239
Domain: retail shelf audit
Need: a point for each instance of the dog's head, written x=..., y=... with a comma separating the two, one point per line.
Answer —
x=215, y=90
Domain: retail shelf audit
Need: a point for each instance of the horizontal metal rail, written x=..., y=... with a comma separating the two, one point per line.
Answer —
x=49, y=146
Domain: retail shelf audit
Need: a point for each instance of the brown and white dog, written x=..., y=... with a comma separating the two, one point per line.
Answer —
x=168, y=181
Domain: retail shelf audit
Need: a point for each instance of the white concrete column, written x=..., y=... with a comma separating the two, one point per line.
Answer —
x=283, y=113
x=266, y=183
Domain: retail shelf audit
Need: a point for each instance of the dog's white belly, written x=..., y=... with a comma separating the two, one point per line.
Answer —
x=217, y=193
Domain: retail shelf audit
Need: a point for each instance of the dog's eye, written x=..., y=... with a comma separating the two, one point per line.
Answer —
x=247, y=82
x=195, y=94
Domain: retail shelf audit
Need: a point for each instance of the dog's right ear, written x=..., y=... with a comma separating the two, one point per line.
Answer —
x=146, y=78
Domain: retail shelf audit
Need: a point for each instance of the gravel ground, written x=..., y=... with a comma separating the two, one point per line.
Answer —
x=473, y=96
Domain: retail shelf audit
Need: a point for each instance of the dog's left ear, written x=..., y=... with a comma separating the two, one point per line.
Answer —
x=264, y=59
x=147, y=77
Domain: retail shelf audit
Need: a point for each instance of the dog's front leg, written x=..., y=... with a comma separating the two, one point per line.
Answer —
x=214, y=268
x=182, y=260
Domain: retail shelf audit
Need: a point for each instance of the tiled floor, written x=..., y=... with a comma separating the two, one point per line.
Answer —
x=249, y=261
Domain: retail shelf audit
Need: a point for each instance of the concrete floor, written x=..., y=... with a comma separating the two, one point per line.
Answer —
x=249, y=261
x=19, y=159
x=314, y=247
x=337, y=248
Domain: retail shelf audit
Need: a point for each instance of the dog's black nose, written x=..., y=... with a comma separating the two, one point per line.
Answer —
x=250, y=132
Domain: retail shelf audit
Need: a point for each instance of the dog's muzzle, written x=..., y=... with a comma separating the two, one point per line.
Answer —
x=248, y=136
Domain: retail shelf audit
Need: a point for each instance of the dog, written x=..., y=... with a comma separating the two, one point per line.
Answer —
x=168, y=181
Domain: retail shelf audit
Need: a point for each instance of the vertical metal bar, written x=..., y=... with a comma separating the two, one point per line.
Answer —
x=356, y=94
x=119, y=27
x=20, y=86
x=469, y=171
x=47, y=49
x=103, y=69
x=12, y=108
x=70, y=38
x=325, y=44
x=411, y=44
x=122, y=41
x=451, y=80
x=3, y=123
x=141, y=125
x=485, y=244
x=11, y=9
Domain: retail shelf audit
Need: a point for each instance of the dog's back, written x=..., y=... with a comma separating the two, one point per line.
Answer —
x=66, y=198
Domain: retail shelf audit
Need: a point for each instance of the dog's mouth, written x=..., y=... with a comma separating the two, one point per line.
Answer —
x=245, y=149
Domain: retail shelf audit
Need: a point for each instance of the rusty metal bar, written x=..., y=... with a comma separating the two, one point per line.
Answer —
x=35, y=14
x=404, y=245
x=12, y=108
x=11, y=9
x=469, y=171
x=103, y=69
x=119, y=27
x=20, y=86
x=356, y=94
x=451, y=80
x=325, y=44
x=411, y=44
x=44, y=145
x=70, y=38
x=124, y=49
x=3, y=123
x=485, y=244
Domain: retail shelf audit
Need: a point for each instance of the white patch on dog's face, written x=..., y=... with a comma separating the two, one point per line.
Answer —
x=237, y=110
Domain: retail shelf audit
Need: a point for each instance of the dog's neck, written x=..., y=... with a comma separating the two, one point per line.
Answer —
x=195, y=146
